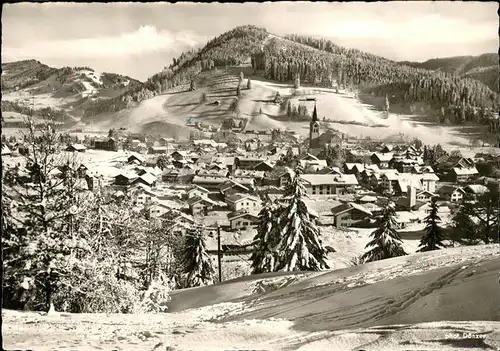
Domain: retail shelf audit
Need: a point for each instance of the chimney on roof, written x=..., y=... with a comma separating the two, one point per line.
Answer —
x=411, y=196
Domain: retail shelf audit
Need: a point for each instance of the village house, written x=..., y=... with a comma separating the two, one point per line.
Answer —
x=264, y=166
x=429, y=181
x=405, y=181
x=422, y=169
x=328, y=184
x=248, y=162
x=231, y=187
x=210, y=183
x=197, y=191
x=461, y=175
x=389, y=181
x=76, y=148
x=125, y=179
x=404, y=218
x=474, y=191
x=243, y=220
x=405, y=165
x=146, y=179
x=144, y=196
x=157, y=150
x=313, y=165
x=109, y=144
x=424, y=196
x=82, y=170
x=381, y=160
x=135, y=158
x=386, y=148
x=200, y=205
x=238, y=202
x=183, y=175
x=349, y=214
x=451, y=193
x=213, y=173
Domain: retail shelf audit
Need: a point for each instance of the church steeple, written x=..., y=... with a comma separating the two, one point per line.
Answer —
x=315, y=114
x=314, y=130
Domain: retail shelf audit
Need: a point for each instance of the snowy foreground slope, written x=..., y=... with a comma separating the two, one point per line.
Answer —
x=444, y=300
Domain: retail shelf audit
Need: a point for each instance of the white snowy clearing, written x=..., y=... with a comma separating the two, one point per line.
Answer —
x=444, y=300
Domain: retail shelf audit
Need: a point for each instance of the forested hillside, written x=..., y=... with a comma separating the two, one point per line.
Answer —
x=321, y=62
x=63, y=93
x=484, y=68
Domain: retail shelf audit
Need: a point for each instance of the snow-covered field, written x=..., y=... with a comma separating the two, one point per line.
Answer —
x=445, y=300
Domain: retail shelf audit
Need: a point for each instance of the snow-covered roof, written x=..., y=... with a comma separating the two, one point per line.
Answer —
x=197, y=199
x=147, y=177
x=197, y=187
x=465, y=171
x=240, y=197
x=383, y=157
x=307, y=163
x=476, y=189
x=368, y=198
x=430, y=176
x=209, y=180
x=78, y=146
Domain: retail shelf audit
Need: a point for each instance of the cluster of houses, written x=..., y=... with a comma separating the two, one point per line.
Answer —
x=229, y=182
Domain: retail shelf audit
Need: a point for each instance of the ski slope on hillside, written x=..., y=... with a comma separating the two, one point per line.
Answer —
x=442, y=300
x=341, y=111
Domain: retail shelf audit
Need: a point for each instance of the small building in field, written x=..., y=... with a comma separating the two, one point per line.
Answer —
x=76, y=148
x=109, y=144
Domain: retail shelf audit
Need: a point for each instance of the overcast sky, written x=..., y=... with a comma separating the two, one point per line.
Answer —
x=139, y=39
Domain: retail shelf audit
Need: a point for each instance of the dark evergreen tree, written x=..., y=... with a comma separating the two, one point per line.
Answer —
x=296, y=83
x=386, y=241
x=263, y=256
x=192, y=86
x=249, y=84
x=197, y=263
x=299, y=247
x=238, y=91
x=277, y=98
x=203, y=98
x=289, y=109
x=433, y=238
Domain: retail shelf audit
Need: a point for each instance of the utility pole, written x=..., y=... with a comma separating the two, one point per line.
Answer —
x=219, y=254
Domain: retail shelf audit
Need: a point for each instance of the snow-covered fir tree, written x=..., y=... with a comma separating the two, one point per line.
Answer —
x=299, y=246
x=433, y=238
x=263, y=256
x=47, y=202
x=197, y=263
x=386, y=241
